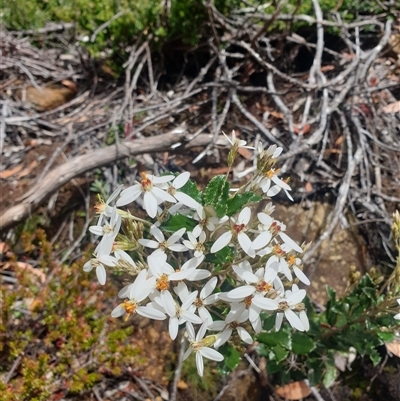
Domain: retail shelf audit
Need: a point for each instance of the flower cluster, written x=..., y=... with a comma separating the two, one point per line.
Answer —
x=195, y=245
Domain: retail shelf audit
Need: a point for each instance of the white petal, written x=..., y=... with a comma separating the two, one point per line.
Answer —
x=212, y=354
x=160, y=180
x=189, y=299
x=97, y=230
x=304, y=320
x=157, y=233
x=198, y=274
x=202, y=331
x=149, y=243
x=181, y=179
x=101, y=274
x=273, y=191
x=176, y=236
x=162, y=195
x=244, y=335
x=118, y=311
x=188, y=244
x=190, y=331
x=199, y=364
x=281, y=183
x=173, y=327
x=294, y=320
x=301, y=276
x=241, y=292
x=178, y=248
x=262, y=240
x=265, y=303
x=186, y=200
x=218, y=325
x=265, y=219
x=191, y=317
x=87, y=267
x=244, y=216
x=221, y=242
x=150, y=313
x=187, y=353
x=256, y=324
x=168, y=303
x=192, y=263
x=278, y=321
x=223, y=338
x=245, y=243
x=150, y=204
x=296, y=297
x=205, y=315
x=130, y=194
x=235, y=312
x=287, y=240
x=208, y=288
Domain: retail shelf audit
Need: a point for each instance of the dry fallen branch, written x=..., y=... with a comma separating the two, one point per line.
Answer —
x=94, y=159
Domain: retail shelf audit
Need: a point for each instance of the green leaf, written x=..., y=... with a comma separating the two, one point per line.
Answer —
x=385, y=336
x=374, y=356
x=280, y=352
x=301, y=343
x=330, y=373
x=178, y=221
x=190, y=188
x=276, y=338
x=231, y=358
x=236, y=203
x=216, y=195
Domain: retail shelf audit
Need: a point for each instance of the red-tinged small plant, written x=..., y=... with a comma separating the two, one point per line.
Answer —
x=55, y=338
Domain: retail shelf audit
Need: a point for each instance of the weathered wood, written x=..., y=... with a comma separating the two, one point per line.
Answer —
x=90, y=161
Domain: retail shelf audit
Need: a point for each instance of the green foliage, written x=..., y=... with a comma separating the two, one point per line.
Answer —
x=216, y=194
x=174, y=223
x=357, y=320
x=239, y=201
x=58, y=334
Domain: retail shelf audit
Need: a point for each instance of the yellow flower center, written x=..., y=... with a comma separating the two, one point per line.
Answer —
x=130, y=308
x=291, y=260
x=162, y=283
x=147, y=185
x=263, y=286
x=198, y=303
x=278, y=251
x=271, y=173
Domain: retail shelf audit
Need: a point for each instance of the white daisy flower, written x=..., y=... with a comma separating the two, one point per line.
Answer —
x=136, y=293
x=182, y=313
x=164, y=274
x=205, y=220
x=194, y=244
x=238, y=229
x=176, y=184
x=205, y=298
x=226, y=330
x=103, y=208
x=153, y=195
x=162, y=245
x=261, y=282
x=201, y=346
x=99, y=263
x=108, y=232
x=294, y=264
x=285, y=307
x=239, y=143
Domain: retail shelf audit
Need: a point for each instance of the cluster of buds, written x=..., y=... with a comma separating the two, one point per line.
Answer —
x=178, y=275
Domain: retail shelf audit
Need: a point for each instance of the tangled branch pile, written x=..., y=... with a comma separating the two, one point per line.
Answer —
x=328, y=94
